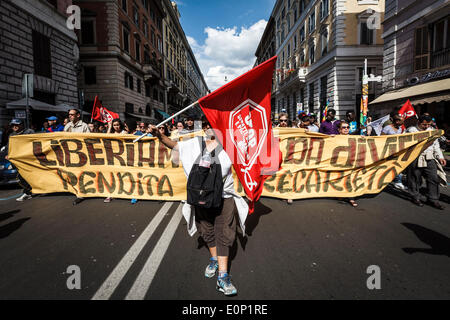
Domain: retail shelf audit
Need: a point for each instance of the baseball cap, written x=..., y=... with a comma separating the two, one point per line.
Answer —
x=52, y=118
x=16, y=122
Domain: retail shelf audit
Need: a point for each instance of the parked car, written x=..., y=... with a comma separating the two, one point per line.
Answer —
x=8, y=173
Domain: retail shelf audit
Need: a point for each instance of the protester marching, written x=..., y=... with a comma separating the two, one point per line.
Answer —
x=220, y=170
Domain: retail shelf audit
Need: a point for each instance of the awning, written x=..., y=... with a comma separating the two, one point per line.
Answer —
x=164, y=114
x=434, y=91
x=139, y=116
x=35, y=105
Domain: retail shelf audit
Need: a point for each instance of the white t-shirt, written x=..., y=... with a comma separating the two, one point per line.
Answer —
x=190, y=151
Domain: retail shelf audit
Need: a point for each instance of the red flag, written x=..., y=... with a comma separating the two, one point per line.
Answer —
x=407, y=111
x=100, y=113
x=240, y=114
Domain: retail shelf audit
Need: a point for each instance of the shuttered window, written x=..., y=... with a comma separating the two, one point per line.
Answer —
x=42, y=55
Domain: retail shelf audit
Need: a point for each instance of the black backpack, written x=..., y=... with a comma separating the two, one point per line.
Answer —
x=205, y=185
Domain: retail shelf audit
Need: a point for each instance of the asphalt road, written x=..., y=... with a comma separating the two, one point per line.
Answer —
x=313, y=249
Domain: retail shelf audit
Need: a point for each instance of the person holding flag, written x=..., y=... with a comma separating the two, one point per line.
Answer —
x=239, y=134
x=101, y=114
x=216, y=225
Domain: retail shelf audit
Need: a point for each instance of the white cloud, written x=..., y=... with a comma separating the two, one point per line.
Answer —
x=227, y=52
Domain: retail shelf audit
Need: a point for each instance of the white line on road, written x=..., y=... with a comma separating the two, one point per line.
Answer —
x=145, y=278
x=116, y=276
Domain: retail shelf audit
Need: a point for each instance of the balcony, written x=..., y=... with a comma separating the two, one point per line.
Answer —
x=440, y=58
x=296, y=76
x=152, y=71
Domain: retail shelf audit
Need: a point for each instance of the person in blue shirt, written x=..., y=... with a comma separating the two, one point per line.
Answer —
x=350, y=115
x=53, y=126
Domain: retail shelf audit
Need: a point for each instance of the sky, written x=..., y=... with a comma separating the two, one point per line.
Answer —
x=224, y=35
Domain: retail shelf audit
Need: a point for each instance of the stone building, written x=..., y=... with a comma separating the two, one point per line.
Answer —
x=321, y=46
x=133, y=55
x=121, y=57
x=416, y=58
x=35, y=39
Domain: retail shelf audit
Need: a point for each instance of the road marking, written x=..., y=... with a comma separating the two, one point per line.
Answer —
x=145, y=278
x=116, y=276
x=12, y=197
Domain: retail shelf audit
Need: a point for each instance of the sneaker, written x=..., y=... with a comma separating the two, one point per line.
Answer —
x=400, y=186
x=224, y=285
x=133, y=201
x=24, y=197
x=212, y=268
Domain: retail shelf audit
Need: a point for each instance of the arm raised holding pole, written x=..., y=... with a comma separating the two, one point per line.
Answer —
x=167, y=120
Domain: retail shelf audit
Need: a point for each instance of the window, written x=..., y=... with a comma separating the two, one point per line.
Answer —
x=302, y=6
x=153, y=37
x=324, y=42
x=311, y=54
x=311, y=97
x=155, y=94
x=422, y=49
x=324, y=9
x=139, y=83
x=129, y=108
x=136, y=16
x=90, y=75
x=128, y=81
x=302, y=34
x=146, y=56
x=323, y=93
x=147, y=90
x=302, y=58
x=295, y=42
x=124, y=5
x=283, y=13
x=289, y=51
x=295, y=14
x=138, y=50
x=312, y=22
x=366, y=34
x=145, y=27
x=87, y=32
x=42, y=55
x=126, y=39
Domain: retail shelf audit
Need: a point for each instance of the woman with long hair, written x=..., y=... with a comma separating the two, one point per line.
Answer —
x=115, y=127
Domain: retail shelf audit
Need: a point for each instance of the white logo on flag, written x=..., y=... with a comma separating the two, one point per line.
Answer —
x=106, y=115
x=242, y=123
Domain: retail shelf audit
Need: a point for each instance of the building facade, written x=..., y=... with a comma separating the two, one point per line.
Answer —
x=133, y=56
x=35, y=39
x=321, y=47
x=416, y=58
x=121, y=56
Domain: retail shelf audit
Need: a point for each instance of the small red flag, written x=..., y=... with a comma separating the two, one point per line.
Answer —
x=240, y=114
x=407, y=111
x=100, y=113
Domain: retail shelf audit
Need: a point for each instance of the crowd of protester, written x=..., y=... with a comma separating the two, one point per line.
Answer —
x=429, y=164
x=424, y=166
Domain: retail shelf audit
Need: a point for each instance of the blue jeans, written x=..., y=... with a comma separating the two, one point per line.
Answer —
x=398, y=179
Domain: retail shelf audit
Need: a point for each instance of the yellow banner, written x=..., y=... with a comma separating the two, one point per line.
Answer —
x=314, y=165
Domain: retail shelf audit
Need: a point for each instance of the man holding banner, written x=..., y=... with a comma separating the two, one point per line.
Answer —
x=428, y=164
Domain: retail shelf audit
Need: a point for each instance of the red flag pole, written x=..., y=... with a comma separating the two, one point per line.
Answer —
x=168, y=119
x=95, y=103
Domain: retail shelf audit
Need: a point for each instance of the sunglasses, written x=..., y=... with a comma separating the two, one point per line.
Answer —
x=283, y=121
x=345, y=127
x=72, y=114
